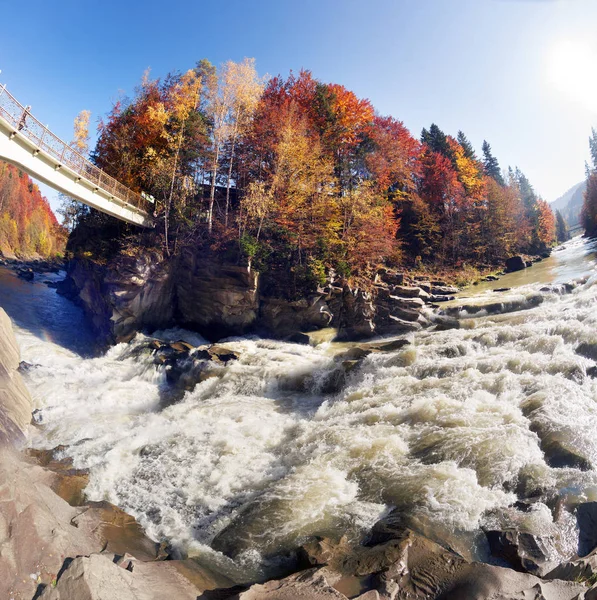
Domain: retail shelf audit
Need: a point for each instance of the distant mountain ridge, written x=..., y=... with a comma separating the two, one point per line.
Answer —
x=570, y=203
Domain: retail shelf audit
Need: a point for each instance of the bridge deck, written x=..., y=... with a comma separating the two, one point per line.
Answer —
x=31, y=146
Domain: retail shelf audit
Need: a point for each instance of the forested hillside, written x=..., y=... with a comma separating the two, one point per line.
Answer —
x=570, y=203
x=27, y=224
x=303, y=176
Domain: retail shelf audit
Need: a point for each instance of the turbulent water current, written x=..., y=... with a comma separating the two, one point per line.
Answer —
x=451, y=430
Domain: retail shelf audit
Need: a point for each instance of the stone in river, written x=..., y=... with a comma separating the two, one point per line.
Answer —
x=515, y=263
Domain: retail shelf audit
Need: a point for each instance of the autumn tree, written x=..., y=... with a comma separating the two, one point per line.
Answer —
x=70, y=209
x=27, y=224
x=393, y=158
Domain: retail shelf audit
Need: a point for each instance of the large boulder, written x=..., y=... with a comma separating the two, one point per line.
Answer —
x=515, y=263
x=282, y=318
x=356, y=316
x=214, y=298
x=586, y=517
x=409, y=567
x=121, y=577
x=523, y=551
x=15, y=402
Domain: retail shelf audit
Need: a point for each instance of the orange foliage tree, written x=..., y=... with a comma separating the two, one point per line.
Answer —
x=27, y=224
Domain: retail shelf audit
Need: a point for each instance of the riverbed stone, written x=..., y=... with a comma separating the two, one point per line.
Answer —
x=444, y=290
x=515, y=263
x=405, y=291
x=586, y=518
x=313, y=584
x=523, y=551
x=112, y=577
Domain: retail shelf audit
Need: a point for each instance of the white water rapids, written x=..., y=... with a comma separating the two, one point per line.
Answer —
x=447, y=430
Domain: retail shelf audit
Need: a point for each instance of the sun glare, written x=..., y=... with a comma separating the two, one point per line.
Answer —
x=570, y=65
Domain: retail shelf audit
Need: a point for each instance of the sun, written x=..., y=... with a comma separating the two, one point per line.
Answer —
x=571, y=64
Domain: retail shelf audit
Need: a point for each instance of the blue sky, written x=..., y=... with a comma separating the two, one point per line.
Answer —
x=509, y=71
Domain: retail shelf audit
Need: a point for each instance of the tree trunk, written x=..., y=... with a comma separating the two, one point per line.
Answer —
x=229, y=178
x=212, y=192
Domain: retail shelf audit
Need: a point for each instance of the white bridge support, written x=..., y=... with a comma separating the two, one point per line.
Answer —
x=32, y=147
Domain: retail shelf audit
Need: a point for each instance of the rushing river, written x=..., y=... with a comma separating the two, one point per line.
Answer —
x=450, y=430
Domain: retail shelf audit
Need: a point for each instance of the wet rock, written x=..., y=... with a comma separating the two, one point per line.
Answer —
x=220, y=299
x=299, y=338
x=490, y=278
x=406, y=314
x=355, y=353
x=350, y=559
x=509, y=304
x=441, y=298
x=67, y=288
x=397, y=325
x=444, y=323
x=413, y=567
x=592, y=372
x=403, y=291
x=515, y=263
x=586, y=519
x=389, y=346
x=504, y=289
x=279, y=317
x=588, y=350
x=560, y=453
x=26, y=273
x=523, y=551
x=25, y=366
x=68, y=483
x=445, y=290
x=357, y=314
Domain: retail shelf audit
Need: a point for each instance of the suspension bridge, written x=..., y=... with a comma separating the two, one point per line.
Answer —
x=33, y=148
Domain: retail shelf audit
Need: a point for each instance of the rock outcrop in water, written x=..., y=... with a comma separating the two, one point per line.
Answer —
x=408, y=567
x=148, y=292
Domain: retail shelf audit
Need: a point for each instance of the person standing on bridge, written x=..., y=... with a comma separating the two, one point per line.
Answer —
x=23, y=120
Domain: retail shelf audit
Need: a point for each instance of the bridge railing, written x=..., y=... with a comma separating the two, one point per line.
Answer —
x=19, y=117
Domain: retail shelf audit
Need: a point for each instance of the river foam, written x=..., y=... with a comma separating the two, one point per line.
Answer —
x=451, y=430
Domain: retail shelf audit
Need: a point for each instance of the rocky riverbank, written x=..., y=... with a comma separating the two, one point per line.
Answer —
x=148, y=292
x=58, y=546
x=53, y=549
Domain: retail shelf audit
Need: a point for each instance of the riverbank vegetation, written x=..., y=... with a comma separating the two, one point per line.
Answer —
x=304, y=178
x=28, y=226
x=588, y=215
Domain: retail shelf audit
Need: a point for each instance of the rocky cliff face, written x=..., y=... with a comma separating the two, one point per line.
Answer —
x=15, y=403
x=218, y=299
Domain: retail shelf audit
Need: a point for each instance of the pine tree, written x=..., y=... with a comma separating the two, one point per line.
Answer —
x=593, y=148
x=491, y=164
x=562, y=233
x=437, y=140
x=469, y=151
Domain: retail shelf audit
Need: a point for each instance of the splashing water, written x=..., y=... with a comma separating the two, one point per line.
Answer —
x=450, y=430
